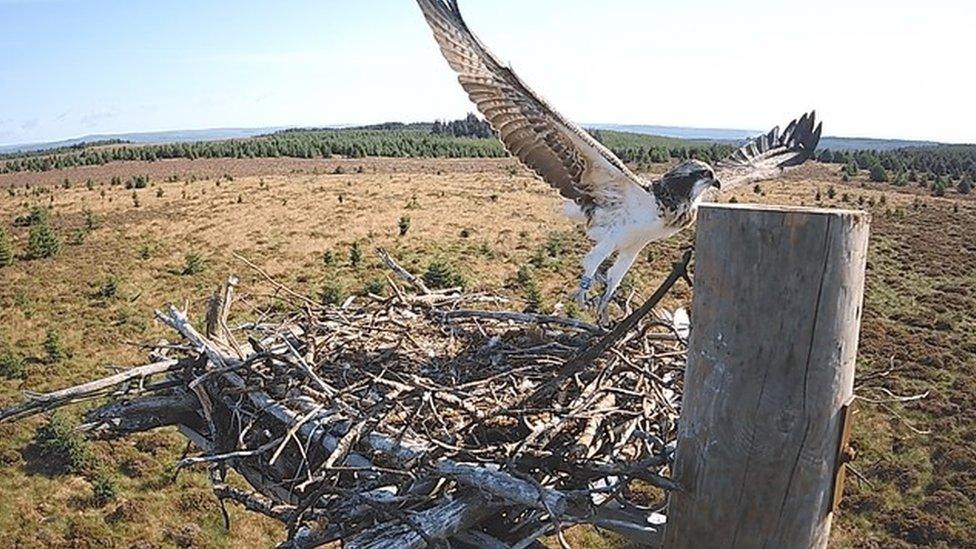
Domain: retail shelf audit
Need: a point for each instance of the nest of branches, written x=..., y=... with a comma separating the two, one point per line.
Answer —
x=408, y=421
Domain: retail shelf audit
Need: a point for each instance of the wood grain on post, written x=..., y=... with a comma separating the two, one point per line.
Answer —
x=776, y=315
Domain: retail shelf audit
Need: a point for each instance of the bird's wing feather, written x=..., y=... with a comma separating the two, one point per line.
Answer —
x=771, y=154
x=564, y=155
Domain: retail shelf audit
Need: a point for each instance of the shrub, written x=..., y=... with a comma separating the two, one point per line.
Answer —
x=404, y=225
x=757, y=189
x=62, y=447
x=37, y=215
x=524, y=276
x=939, y=187
x=965, y=187
x=137, y=182
x=78, y=237
x=879, y=174
x=375, y=286
x=145, y=251
x=465, y=233
x=159, y=192
x=12, y=365
x=90, y=222
x=109, y=288
x=484, y=249
x=333, y=293
x=441, y=275
x=104, y=488
x=193, y=264
x=555, y=244
x=42, y=242
x=355, y=254
x=54, y=347
x=328, y=258
x=533, y=298
x=6, y=249
x=831, y=193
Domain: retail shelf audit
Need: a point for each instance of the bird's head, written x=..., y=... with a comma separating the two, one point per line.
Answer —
x=690, y=179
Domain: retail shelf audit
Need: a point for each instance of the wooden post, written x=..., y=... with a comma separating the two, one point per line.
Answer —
x=775, y=323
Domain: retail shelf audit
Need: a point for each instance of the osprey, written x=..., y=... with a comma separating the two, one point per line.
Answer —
x=622, y=211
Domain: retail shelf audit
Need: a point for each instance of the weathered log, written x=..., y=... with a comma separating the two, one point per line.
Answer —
x=39, y=403
x=437, y=523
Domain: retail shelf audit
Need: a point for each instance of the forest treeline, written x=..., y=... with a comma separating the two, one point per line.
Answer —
x=471, y=137
x=944, y=163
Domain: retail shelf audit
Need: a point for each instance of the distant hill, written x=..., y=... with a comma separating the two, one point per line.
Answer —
x=674, y=132
x=728, y=135
x=176, y=136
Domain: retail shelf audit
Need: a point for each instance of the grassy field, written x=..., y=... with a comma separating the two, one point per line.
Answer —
x=70, y=317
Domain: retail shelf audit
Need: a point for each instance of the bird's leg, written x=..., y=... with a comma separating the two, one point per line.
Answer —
x=591, y=263
x=615, y=275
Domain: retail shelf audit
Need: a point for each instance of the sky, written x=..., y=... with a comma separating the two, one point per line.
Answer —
x=883, y=69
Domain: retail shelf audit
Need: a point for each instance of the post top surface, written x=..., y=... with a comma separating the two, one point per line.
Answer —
x=775, y=208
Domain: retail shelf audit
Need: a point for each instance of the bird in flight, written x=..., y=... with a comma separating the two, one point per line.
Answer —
x=622, y=211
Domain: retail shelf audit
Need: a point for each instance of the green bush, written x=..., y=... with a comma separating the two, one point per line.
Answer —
x=42, y=242
x=104, y=488
x=375, y=286
x=90, y=222
x=6, y=249
x=35, y=216
x=441, y=275
x=109, y=288
x=355, y=254
x=328, y=258
x=965, y=187
x=62, y=447
x=333, y=293
x=193, y=264
x=54, y=347
x=78, y=237
x=879, y=174
x=524, y=276
x=530, y=289
x=137, y=182
x=145, y=251
x=12, y=365
x=404, y=225
x=939, y=187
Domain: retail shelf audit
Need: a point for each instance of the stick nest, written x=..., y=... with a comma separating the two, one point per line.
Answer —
x=413, y=419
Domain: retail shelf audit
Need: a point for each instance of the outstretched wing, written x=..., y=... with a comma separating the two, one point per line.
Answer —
x=564, y=155
x=771, y=154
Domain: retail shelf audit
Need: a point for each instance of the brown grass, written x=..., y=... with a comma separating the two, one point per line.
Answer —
x=919, y=313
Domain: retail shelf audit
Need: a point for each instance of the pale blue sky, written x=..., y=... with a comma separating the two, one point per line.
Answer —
x=871, y=68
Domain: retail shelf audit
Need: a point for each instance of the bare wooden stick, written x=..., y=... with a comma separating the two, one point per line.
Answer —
x=414, y=281
x=43, y=402
x=525, y=318
x=592, y=352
